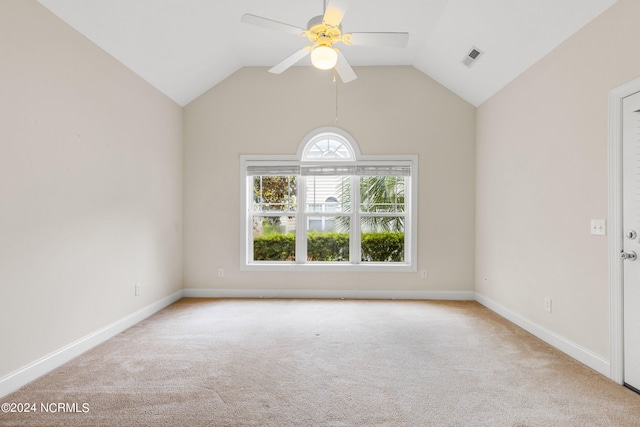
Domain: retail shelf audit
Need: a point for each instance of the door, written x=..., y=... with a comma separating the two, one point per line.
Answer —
x=631, y=238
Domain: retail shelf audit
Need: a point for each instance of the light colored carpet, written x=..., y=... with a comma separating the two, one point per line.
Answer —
x=326, y=363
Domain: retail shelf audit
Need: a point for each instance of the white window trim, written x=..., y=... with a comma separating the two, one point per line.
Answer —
x=411, y=250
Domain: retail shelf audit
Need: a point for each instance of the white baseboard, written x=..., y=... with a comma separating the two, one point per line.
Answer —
x=328, y=294
x=25, y=375
x=572, y=349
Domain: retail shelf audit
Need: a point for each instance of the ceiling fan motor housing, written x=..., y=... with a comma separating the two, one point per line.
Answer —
x=322, y=34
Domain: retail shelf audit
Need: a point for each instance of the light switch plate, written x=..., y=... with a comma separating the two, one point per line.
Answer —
x=599, y=227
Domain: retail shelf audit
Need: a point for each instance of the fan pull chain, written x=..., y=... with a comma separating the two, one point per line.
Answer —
x=335, y=82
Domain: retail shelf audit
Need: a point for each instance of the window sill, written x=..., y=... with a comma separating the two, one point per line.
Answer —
x=335, y=268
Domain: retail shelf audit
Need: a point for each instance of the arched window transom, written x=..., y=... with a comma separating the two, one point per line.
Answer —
x=328, y=146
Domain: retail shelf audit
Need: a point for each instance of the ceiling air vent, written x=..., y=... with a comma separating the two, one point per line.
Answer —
x=471, y=57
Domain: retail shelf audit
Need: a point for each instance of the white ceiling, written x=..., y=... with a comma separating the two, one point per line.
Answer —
x=185, y=47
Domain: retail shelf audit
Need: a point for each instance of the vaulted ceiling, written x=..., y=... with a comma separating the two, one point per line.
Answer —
x=185, y=47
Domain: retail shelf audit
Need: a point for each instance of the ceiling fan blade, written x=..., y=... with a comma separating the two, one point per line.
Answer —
x=297, y=56
x=335, y=12
x=344, y=70
x=270, y=23
x=378, y=39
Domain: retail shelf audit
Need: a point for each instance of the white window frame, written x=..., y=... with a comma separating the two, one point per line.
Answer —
x=411, y=210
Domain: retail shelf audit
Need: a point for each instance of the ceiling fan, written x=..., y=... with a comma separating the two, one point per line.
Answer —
x=324, y=31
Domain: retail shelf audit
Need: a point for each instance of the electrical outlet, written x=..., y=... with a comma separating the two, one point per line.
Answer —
x=221, y=272
x=599, y=227
x=424, y=274
x=547, y=304
x=137, y=289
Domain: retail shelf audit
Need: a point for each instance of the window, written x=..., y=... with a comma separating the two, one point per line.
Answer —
x=329, y=208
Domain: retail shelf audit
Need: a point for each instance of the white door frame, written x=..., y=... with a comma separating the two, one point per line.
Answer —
x=616, y=301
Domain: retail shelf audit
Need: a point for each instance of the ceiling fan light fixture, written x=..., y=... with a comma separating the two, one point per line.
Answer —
x=324, y=57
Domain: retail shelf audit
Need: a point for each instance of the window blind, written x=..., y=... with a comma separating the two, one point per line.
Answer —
x=329, y=170
x=273, y=170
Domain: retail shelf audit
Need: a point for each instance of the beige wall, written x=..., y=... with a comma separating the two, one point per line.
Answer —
x=388, y=110
x=91, y=180
x=90, y=187
x=542, y=175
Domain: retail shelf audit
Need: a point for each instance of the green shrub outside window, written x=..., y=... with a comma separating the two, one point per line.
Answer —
x=330, y=247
